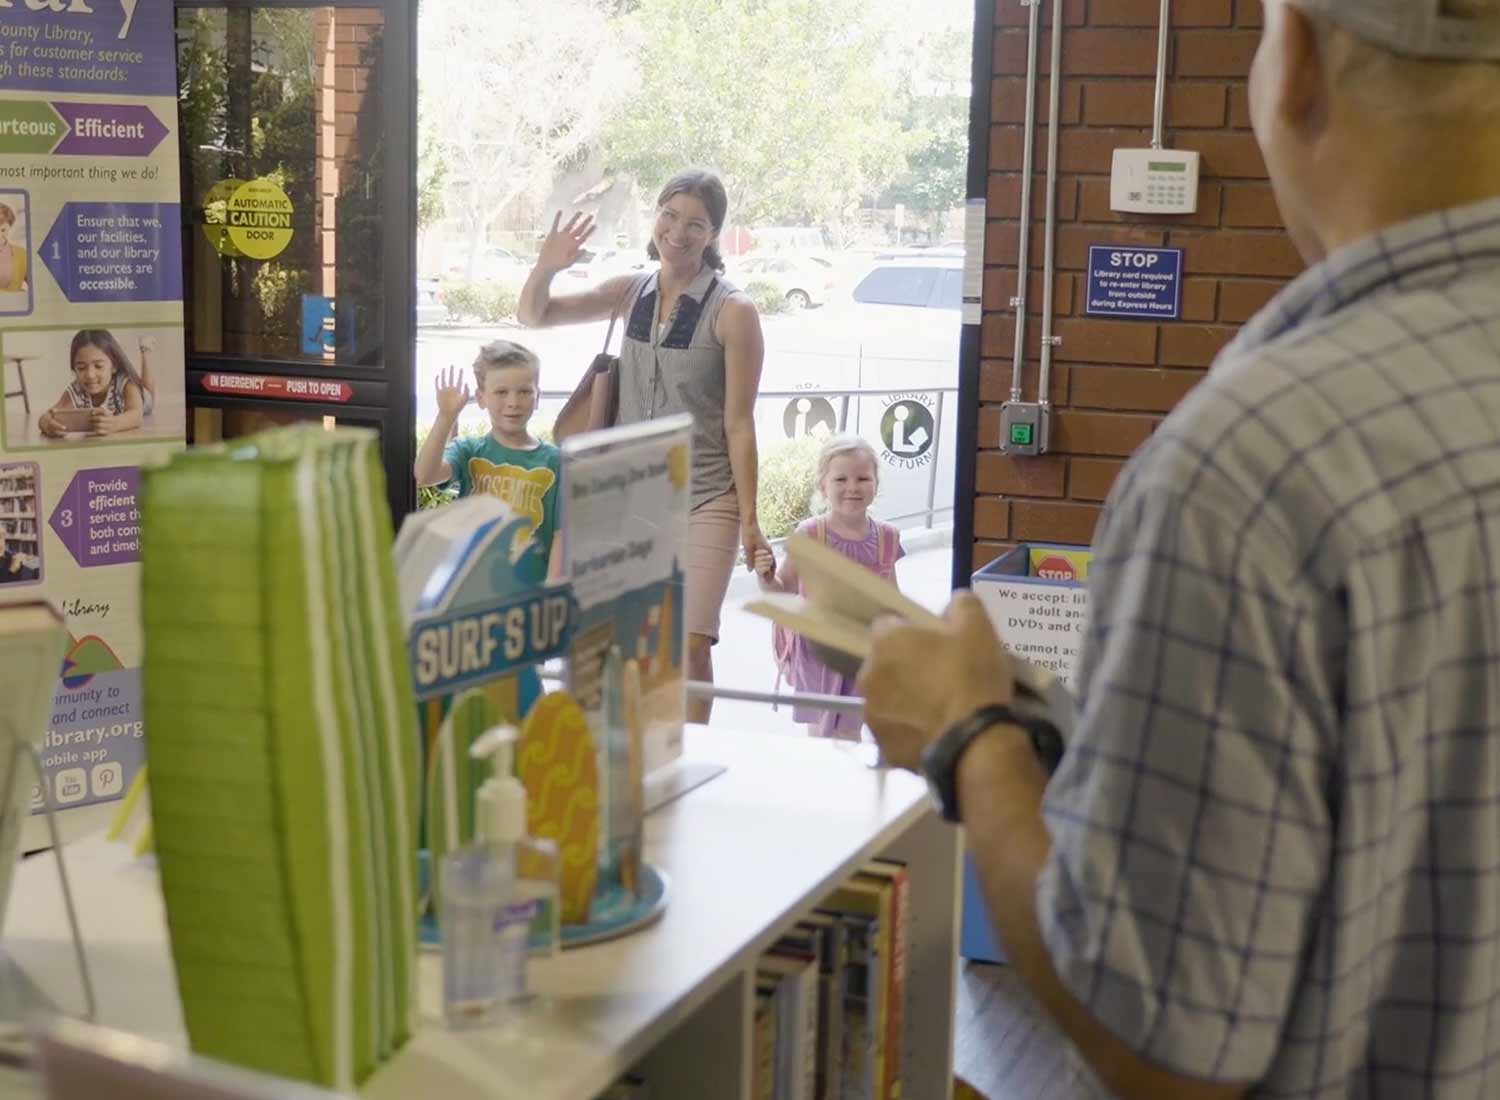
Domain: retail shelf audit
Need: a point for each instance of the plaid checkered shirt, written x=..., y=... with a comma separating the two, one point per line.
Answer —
x=1277, y=830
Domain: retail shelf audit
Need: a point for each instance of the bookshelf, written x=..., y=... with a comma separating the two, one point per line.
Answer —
x=748, y=855
x=18, y=504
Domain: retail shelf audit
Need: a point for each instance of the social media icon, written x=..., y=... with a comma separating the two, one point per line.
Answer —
x=71, y=785
x=107, y=779
x=36, y=796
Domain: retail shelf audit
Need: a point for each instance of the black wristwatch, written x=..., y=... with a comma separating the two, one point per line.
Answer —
x=941, y=758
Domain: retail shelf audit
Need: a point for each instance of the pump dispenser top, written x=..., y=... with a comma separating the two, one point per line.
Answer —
x=500, y=805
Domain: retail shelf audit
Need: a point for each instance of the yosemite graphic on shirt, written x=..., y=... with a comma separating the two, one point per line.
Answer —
x=526, y=480
x=524, y=490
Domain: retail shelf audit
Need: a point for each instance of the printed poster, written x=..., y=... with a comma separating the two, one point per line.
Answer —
x=91, y=350
x=625, y=515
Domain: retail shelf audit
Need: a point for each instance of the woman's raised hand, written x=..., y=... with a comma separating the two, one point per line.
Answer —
x=564, y=242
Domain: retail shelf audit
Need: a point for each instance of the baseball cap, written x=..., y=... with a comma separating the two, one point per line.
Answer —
x=1418, y=28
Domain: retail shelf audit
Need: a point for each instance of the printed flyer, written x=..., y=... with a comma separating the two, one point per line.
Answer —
x=91, y=350
x=625, y=509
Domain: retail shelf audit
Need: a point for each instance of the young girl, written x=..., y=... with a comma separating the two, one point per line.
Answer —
x=105, y=386
x=848, y=477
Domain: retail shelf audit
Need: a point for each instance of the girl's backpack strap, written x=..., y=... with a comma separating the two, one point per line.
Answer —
x=888, y=547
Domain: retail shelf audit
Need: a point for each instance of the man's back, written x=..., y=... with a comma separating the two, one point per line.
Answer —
x=1278, y=842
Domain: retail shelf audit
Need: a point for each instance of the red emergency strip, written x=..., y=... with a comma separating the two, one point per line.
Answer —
x=278, y=387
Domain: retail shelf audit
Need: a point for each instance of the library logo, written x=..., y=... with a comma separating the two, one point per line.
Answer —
x=908, y=429
x=809, y=416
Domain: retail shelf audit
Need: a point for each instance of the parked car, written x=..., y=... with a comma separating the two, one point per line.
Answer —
x=430, y=308
x=594, y=265
x=922, y=281
x=895, y=323
x=802, y=280
x=493, y=264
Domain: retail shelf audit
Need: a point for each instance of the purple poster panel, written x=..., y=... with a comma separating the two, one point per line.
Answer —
x=116, y=252
x=91, y=355
x=100, y=46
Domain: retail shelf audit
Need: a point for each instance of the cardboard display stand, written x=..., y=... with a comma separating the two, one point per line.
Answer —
x=1037, y=596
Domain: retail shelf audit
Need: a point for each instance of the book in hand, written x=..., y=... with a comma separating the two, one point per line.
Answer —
x=843, y=602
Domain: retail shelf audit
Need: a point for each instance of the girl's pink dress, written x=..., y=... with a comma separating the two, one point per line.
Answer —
x=807, y=674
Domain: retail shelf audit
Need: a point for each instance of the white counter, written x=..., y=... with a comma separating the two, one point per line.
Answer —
x=748, y=853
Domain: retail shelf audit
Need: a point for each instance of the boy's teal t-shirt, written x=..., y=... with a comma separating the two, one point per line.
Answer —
x=526, y=480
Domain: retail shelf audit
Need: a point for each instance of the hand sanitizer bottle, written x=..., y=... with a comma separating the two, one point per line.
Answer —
x=529, y=923
x=477, y=887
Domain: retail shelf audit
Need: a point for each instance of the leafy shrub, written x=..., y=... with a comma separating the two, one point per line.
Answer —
x=490, y=303
x=766, y=296
x=788, y=480
x=501, y=300
x=435, y=496
x=462, y=300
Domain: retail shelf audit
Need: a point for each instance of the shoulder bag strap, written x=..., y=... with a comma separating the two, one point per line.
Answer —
x=632, y=292
x=890, y=546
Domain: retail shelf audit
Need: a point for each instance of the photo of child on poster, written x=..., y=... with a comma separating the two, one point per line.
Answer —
x=91, y=386
x=15, y=248
x=20, y=533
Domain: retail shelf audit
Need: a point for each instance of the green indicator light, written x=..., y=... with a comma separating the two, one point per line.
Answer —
x=1020, y=434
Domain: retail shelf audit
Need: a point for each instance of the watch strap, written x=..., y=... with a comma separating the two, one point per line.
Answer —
x=941, y=759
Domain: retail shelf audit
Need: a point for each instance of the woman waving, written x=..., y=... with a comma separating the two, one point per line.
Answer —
x=692, y=344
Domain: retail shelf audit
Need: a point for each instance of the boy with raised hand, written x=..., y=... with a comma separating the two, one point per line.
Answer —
x=508, y=462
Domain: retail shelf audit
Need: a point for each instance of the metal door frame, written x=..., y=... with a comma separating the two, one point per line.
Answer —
x=397, y=412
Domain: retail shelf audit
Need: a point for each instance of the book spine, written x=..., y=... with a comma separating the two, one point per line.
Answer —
x=788, y=1032
x=833, y=1036
x=895, y=1043
x=856, y=1049
x=872, y=1066
x=764, y=1073
x=808, y=982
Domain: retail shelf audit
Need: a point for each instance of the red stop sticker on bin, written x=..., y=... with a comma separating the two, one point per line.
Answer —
x=1056, y=568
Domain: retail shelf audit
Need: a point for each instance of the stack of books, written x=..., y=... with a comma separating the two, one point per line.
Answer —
x=830, y=996
x=282, y=752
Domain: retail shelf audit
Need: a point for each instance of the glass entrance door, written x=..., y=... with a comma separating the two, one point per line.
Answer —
x=297, y=129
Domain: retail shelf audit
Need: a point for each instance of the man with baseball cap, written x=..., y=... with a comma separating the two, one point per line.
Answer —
x=1269, y=860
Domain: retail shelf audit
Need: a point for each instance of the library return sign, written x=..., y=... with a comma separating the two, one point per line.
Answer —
x=1144, y=283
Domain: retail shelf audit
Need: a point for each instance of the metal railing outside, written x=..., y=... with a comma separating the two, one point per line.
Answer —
x=845, y=399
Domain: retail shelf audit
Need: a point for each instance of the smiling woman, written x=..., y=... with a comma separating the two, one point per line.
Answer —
x=692, y=345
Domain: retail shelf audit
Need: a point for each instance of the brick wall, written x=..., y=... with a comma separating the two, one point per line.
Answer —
x=1113, y=381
